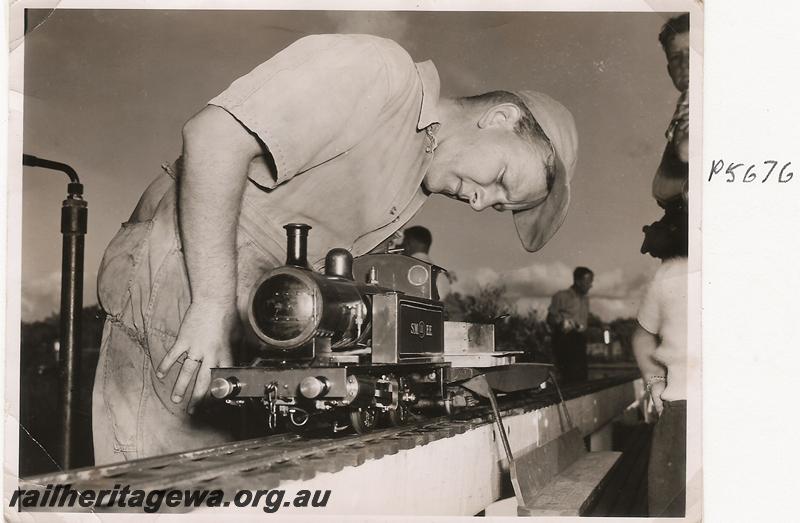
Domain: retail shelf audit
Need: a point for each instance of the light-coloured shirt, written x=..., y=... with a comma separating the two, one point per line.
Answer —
x=664, y=312
x=344, y=117
x=349, y=121
x=569, y=305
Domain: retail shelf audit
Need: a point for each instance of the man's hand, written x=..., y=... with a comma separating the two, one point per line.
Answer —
x=206, y=336
x=644, y=347
x=655, y=394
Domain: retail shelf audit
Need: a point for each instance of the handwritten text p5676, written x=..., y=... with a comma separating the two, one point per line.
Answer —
x=768, y=170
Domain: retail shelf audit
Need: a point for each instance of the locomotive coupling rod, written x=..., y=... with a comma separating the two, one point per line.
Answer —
x=74, y=215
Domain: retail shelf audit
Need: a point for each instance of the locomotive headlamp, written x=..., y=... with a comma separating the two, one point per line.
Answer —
x=313, y=387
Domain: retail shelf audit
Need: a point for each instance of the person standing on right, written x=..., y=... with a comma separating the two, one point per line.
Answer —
x=670, y=186
x=660, y=345
x=568, y=317
x=660, y=342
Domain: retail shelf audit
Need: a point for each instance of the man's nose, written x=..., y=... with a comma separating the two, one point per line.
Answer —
x=481, y=198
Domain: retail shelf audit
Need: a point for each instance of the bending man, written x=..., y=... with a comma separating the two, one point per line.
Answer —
x=343, y=132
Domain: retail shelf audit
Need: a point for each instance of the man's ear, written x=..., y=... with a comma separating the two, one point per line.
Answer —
x=500, y=115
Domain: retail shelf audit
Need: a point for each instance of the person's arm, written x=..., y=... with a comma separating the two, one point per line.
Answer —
x=559, y=315
x=645, y=339
x=554, y=316
x=644, y=348
x=680, y=134
x=307, y=104
x=216, y=152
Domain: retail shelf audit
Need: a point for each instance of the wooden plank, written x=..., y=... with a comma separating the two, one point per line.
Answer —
x=535, y=467
x=468, y=338
x=572, y=491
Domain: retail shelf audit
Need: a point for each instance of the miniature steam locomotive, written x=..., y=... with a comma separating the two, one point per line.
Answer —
x=365, y=341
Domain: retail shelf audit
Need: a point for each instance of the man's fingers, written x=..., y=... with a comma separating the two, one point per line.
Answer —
x=169, y=359
x=187, y=372
x=200, y=386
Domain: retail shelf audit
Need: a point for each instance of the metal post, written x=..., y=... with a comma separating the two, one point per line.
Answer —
x=74, y=214
x=499, y=420
x=480, y=385
x=562, y=403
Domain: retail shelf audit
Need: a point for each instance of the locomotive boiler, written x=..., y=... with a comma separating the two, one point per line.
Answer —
x=363, y=342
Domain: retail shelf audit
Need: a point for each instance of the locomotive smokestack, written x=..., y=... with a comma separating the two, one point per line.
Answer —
x=297, y=244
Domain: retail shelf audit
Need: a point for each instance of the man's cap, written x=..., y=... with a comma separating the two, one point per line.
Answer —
x=537, y=225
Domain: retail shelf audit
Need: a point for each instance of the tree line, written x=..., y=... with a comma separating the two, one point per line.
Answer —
x=526, y=330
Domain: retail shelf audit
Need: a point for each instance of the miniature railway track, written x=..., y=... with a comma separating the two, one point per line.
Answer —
x=264, y=462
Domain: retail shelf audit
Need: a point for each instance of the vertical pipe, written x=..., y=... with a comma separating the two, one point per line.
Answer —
x=74, y=215
x=297, y=244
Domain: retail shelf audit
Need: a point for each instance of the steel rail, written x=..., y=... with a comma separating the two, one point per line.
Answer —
x=265, y=462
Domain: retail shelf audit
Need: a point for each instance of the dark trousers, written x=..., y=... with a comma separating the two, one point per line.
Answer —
x=569, y=352
x=666, y=475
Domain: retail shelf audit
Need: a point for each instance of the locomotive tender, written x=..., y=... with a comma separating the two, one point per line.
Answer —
x=364, y=340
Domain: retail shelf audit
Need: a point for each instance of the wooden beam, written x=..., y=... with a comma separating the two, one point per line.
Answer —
x=572, y=491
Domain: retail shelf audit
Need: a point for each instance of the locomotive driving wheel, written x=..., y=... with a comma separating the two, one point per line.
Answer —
x=363, y=420
x=397, y=416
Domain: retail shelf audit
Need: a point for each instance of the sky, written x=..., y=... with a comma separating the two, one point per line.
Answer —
x=108, y=92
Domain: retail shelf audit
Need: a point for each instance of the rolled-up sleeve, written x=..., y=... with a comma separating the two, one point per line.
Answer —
x=312, y=101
